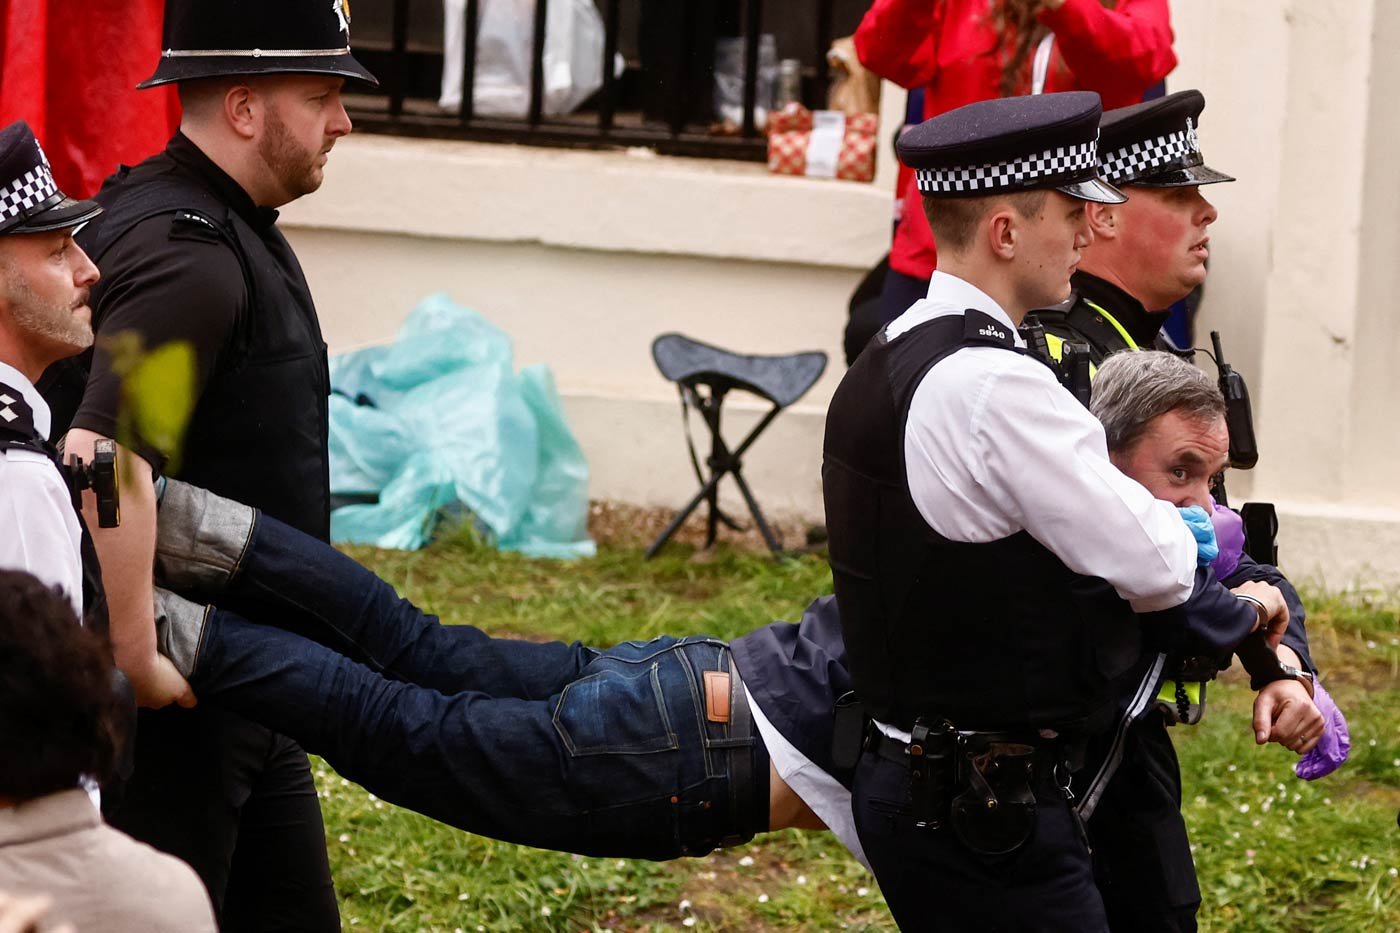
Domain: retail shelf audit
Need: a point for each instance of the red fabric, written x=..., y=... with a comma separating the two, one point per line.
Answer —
x=70, y=68
x=945, y=47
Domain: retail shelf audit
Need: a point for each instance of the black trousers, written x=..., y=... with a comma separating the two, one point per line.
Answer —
x=932, y=882
x=238, y=803
x=1142, y=856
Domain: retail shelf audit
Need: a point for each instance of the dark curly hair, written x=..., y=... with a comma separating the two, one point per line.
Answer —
x=1019, y=30
x=58, y=711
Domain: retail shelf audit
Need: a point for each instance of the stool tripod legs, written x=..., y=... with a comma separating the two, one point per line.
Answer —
x=705, y=492
x=763, y=528
x=721, y=462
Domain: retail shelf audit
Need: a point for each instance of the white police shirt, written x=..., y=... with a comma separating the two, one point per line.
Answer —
x=41, y=534
x=995, y=445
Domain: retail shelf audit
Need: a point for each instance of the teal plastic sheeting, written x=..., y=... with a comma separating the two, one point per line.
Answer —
x=448, y=426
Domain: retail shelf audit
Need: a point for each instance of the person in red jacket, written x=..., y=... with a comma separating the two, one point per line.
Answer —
x=963, y=51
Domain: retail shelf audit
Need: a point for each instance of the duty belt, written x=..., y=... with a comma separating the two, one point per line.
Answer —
x=982, y=782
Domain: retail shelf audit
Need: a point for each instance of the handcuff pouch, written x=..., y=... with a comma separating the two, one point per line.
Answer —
x=995, y=813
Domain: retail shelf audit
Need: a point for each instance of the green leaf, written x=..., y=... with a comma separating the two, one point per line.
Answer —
x=158, y=396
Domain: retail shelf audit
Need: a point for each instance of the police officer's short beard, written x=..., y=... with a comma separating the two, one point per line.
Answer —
x=41, y=318
x=289, y=162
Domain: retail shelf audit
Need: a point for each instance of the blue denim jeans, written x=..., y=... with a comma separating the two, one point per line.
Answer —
x=558, y=746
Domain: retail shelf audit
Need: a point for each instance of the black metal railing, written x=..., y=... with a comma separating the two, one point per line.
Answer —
x=615, y=115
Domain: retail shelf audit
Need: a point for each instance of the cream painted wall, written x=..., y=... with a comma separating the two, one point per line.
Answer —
x=584, y=256
x=1373, y=454
x=590, y=315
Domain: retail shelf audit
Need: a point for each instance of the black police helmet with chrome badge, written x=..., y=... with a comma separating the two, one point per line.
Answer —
x=212, y=38
x=1154, y=144
x=1011, y=144
x=30, y=201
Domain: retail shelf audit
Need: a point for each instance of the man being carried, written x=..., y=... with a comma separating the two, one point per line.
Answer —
x=639, y=750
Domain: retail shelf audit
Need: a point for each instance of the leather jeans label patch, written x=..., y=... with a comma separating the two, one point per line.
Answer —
x=717, y=696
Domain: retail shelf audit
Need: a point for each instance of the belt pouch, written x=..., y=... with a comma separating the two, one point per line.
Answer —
x=931, y=754
x=995, y=814
x=848, y=732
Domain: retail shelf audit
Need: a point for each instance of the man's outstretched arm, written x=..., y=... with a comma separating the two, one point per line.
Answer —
x=126, y=554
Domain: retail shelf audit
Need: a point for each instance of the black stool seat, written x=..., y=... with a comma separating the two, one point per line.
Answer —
x=703, y=375
x=782, y=380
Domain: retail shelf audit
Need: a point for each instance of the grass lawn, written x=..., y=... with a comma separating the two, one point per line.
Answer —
x=1272, y=852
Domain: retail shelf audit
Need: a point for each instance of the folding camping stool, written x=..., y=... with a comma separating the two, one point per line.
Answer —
x=704, y=375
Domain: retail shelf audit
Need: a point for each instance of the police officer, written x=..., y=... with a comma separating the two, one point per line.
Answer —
x=191, y=252
x=966, y=491
x=1150, y=251
x=45, y=280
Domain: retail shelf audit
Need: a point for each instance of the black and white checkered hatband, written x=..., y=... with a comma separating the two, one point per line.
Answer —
x=28, y=194
x=1048, y=169
x=1148, y=157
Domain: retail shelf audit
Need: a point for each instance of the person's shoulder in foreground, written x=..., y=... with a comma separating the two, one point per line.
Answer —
x=99, y=878
x=59, y=727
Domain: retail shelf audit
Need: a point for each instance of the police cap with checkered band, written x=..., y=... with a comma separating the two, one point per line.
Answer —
x=30, y=201
x=1154, y=144
x=1011, y=144
x=212, y=38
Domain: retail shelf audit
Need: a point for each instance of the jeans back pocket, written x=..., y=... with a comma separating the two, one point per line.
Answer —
x=615, y=712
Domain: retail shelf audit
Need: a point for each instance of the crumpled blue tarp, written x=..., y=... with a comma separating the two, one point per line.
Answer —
x=452, y=426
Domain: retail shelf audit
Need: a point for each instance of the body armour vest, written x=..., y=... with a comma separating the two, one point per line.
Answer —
x=258, y=431
x=1103, y=316
x=997, y=635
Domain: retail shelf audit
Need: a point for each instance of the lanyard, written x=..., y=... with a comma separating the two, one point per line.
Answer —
x=1041, y=68
x=1122, y=331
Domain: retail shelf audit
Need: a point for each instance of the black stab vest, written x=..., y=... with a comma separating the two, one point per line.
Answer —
x=21, y=434
x=995, y=635
x=259, y=429
x=1082, y=318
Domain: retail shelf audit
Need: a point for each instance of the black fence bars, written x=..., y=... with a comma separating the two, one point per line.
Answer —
x=664, y=97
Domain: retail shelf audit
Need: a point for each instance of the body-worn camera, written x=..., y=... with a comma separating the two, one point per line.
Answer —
x=101, y=477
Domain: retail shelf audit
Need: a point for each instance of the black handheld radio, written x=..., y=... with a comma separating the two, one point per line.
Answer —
x=101, y=477
x=1244, y=451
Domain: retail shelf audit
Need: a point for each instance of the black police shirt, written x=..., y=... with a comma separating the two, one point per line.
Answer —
x=168, y=280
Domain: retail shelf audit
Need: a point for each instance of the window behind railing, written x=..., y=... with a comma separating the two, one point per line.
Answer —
x=661, y=61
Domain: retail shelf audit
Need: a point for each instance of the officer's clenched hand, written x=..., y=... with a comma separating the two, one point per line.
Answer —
x=1284, y=713
x=1275, y=614
x=161, y=684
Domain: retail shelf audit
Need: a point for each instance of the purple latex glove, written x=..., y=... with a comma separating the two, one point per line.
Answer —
x=1329, y=753
x=1229, y=536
